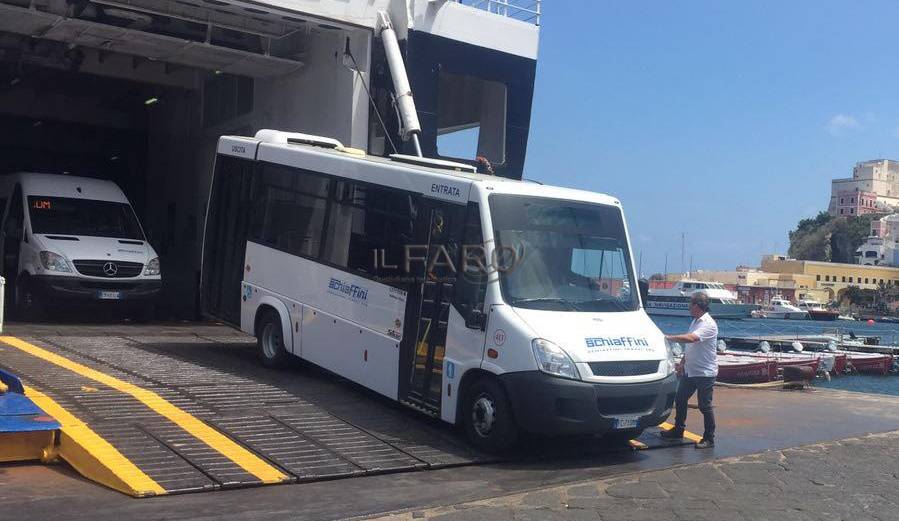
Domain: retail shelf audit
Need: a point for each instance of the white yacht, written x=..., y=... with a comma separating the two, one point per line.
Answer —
x=675, y=301
x=780, y=307
x=816, y=310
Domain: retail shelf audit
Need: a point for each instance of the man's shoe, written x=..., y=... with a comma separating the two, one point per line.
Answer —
x=705, y=444
x=673, y=434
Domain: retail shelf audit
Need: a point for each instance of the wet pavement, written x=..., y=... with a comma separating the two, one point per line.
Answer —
x=850, y=480
x=750, y=421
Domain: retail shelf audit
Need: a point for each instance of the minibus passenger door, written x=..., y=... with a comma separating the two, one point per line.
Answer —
x=439, y=227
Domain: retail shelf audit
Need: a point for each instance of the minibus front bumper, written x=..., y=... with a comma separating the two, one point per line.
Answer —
x=57, y=289
x=544, y=404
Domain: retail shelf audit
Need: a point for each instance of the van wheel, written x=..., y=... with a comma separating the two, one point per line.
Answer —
x=487, y=417
x=27, y=305
x=270, y=340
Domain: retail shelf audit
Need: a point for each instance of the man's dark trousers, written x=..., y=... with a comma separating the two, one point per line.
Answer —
x=687, y=385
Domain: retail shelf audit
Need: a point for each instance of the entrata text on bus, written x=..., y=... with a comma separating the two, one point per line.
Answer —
x=500, y=305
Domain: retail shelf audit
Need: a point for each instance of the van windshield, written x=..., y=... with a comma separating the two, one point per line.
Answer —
x=562, y=255
x=68, y=216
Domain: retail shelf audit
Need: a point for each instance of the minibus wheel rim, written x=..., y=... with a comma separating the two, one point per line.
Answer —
x=483, y=415
x=271, y=341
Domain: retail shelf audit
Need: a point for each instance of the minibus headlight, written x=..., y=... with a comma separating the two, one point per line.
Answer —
x=675, y=351
x=55, y=262
x=152, y=267
x=552, y=359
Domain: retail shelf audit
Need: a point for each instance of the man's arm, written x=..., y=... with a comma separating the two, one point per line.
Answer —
x=686, y=338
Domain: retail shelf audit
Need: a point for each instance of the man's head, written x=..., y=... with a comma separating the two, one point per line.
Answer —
x=699, y=304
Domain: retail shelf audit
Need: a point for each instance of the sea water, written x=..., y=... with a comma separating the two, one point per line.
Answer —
x=754, y=327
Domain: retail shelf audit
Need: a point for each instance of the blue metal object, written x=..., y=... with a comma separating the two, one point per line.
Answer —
x=17, y=412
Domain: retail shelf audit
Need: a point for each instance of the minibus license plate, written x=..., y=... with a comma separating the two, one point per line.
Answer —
x=624, y=423
x=109, y=295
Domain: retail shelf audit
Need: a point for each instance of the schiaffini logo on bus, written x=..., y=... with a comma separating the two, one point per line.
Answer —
x=625, y=342
x=347, y=290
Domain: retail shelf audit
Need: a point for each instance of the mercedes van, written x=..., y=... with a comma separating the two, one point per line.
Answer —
x=69, y=240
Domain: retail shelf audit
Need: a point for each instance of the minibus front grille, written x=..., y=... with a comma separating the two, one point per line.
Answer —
x=628, y=368
x=108, y=269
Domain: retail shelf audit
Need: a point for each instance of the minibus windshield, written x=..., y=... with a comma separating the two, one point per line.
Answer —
x=562, y=255
x=86, y=217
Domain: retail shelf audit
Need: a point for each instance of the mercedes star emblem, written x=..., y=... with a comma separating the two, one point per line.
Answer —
x=110, y=269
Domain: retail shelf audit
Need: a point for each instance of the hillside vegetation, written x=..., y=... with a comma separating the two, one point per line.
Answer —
x=826, y=238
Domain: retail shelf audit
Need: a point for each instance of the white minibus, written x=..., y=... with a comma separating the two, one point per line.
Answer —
x=499, y=305
x=70, y=240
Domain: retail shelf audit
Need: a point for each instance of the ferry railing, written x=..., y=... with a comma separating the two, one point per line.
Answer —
x=523, y=10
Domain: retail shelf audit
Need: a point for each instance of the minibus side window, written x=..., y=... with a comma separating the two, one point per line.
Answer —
x=471, y=284
x=368, y=229
x=290, y=214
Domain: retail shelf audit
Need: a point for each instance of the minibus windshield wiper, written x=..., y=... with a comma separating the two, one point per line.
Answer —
x=621, y=306
x=539, y=300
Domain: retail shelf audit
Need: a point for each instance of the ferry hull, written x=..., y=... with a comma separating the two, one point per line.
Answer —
x=682, y=309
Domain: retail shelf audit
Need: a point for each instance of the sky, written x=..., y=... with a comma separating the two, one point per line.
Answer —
x=721, y=120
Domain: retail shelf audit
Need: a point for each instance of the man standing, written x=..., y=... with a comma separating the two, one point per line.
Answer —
x=700, y=367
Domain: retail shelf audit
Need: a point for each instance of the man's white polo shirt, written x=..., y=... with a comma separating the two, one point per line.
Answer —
x=701, y=357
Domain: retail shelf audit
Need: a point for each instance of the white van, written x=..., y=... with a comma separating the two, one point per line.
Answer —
x=69, y=240
x=496, y=304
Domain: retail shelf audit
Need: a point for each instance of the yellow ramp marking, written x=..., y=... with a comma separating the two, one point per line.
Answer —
x=687, y=434
x=91, y=455
x=227, y=447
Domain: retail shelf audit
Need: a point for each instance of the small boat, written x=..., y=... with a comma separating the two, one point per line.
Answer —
x=675, y=301
x=817, y=361
x=847, y=318
x=780, y=307
x=740, y=370
x=817, y=311
x=868, y=363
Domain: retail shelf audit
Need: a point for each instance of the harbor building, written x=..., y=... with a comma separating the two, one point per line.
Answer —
x=793, y=279
x=832, y=277
x=873, y=188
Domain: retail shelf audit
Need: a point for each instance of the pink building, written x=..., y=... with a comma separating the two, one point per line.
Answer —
x=853, y=203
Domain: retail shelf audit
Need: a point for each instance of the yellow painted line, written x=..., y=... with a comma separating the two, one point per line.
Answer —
x=687, y=434
x=226, y=446
x=91, y=455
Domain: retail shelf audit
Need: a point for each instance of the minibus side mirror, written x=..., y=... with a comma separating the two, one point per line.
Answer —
x=476, y=319
x=643, y=284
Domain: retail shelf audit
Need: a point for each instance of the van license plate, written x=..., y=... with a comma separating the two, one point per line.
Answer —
x=624, y=423
x=109, y=295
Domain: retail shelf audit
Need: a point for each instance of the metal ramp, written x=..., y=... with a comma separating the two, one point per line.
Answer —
x=149, y=423
x=155, y=415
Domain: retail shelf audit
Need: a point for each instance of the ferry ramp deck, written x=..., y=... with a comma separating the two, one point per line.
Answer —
x=155, y=410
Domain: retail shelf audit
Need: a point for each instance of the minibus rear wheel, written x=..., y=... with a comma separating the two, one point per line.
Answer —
x=487, y=416
x=270, y=340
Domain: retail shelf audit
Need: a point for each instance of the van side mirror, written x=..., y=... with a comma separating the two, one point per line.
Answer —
x=476, y=319
x=643, y=284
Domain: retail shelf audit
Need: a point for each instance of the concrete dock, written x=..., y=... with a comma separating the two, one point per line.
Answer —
x=434, y=473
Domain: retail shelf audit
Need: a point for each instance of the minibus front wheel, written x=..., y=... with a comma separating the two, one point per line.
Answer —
x=270, y=339
x=487, y=416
